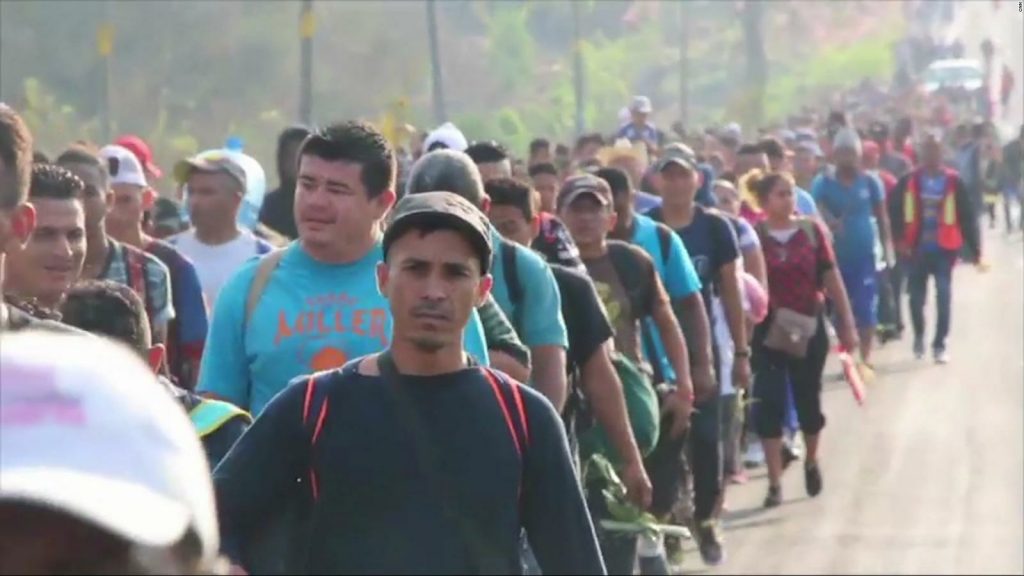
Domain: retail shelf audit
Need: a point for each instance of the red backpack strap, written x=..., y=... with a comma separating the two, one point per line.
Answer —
x=314, y=412
x=510, y=400
x=137, y=274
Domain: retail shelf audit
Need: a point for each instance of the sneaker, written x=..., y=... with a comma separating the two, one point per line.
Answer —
x=812, y=479
x=774, y=497
x=709, y=542
x=918, y=348
x=941, y=356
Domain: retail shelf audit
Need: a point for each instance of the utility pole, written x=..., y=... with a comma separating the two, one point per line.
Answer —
x=436, y=77
x=105, y=47
x=307, y=27
x=684, y=64
x=579, y=83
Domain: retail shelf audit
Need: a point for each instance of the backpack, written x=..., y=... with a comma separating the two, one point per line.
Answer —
x=642, y=407
x=280, y=544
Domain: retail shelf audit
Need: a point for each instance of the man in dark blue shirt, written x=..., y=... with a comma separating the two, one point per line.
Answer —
x=415, y=460
x=714, y=250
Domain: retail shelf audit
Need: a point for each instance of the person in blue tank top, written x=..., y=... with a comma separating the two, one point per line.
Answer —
x=315, y=304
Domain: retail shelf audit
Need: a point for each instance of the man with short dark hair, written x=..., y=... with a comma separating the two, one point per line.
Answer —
x=546, y=181
x=540, y=152
x=108, y=259
x=711, y=242
x=550, y=238
x=933, y=220
x=313, y=305
x=890, y=159
x=278, y=209
x=17, y=217
x=106, y=308
x=524, y=286
x=407, y=417
x=44, y=269
x=491, y=159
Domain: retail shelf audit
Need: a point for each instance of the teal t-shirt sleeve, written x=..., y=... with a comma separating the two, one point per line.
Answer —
x=542, y=314
x=875, y=190
x=224, y=368
x=680, y=277
x=474, y=341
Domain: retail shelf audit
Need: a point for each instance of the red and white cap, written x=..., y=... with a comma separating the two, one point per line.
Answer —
x=86, y=429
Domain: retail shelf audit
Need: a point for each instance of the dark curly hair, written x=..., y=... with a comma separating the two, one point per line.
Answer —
x=54, y=182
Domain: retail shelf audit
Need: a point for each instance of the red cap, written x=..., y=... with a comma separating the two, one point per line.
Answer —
x=141, y=150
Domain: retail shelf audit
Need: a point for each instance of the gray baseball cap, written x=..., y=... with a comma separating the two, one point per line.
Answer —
x=677, y=153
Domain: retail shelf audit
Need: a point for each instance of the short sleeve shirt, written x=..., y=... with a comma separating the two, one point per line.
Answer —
x=145, y=274
x=795, y=268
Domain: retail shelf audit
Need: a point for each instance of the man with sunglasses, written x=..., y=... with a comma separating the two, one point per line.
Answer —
x=315, y=304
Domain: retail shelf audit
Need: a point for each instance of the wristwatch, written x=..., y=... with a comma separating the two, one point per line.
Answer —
x=744, y=353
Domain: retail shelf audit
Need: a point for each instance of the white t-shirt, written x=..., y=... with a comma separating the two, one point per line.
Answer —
x=216, y=264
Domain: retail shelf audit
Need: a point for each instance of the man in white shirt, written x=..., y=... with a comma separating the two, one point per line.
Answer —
x=216, y=244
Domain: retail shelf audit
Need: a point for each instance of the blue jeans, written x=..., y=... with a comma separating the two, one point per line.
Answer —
x=925, y=264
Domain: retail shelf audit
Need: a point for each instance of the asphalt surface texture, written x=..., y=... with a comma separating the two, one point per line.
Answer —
x=927, y=477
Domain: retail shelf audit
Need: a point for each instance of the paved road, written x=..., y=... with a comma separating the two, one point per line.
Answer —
x=928, y=476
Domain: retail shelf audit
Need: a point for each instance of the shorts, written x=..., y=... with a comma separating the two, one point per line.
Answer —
x=861, y=282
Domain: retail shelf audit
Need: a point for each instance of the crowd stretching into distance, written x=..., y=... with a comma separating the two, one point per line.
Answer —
x=440, y=357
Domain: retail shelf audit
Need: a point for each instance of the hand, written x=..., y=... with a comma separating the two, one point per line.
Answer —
x=704, y=384
x=680, y=405
x=850, y=341
x=638, y=485
x=741, y=373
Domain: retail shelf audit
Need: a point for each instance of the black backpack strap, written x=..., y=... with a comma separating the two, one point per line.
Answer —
x=512, y=284
x=480, y=553
x=664, y=241
x=631, y=274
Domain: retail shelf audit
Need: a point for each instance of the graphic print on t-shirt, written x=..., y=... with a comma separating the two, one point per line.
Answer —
x=325, y=318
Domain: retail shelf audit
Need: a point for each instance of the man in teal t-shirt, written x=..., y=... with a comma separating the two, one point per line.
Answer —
x=320, y=305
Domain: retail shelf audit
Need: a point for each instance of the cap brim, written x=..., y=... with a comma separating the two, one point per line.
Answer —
x=154, y=170
x=576, y=194
x=183, y=169
x=662, y=164
x=480, y=239
x=124, y=509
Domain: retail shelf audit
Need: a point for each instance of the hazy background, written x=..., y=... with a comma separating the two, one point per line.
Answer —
x=185, y=74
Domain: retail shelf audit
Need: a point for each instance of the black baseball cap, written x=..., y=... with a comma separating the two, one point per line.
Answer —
x=451, y=211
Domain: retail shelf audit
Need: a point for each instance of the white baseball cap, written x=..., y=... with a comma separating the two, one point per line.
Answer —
x=89, y=431
x=123, y=165
x=449, y=135
x=641, y=104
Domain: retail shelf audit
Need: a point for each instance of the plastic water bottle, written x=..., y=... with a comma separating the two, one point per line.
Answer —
x=234, y=144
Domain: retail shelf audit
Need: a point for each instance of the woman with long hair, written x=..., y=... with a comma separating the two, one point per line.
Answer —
x=792, y=343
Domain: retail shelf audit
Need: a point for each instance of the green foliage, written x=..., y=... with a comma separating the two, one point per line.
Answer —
x=511, y=52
